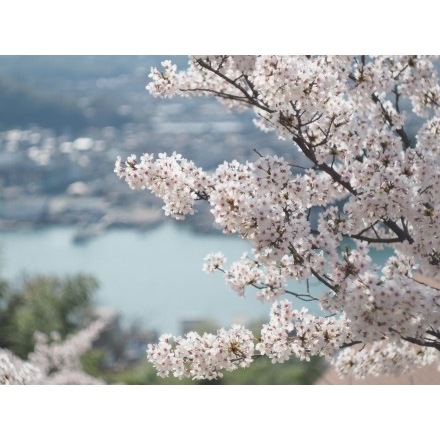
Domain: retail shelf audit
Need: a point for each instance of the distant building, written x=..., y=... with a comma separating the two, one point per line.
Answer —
x=24, y=209
x=190, y=324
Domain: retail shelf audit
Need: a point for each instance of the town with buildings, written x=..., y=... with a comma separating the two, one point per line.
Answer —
x=63, y=175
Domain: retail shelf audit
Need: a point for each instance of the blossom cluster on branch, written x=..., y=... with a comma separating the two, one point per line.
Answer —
x=53, y=361
x=369, y=128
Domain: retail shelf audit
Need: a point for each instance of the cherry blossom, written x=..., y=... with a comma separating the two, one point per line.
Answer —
x=369, y=126
x=53, y=361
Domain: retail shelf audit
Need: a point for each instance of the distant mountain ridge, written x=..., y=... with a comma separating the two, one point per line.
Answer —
x=45, y=90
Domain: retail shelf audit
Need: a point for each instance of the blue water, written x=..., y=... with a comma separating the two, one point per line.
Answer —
x=153, y=277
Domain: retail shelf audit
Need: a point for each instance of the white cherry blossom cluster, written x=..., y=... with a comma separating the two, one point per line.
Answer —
x=213, y=262
x=382, y=358
x=163, y=81
x=14, y=371
x=172, y=178
x=373, y=182
x=269, y=280
x=202, y=357
x=53, y=361
x=297, y=333
x=289, y=333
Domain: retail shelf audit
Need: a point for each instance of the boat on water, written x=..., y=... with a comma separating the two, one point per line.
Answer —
x=86, y=232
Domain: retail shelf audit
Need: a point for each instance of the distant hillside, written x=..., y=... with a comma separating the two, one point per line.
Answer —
x=46, y=90
x=21, y=106
x=47, y=69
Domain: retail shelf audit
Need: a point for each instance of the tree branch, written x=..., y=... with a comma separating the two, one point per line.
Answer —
x=250, y=99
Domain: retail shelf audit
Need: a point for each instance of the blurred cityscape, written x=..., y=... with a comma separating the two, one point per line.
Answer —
x=65, y=119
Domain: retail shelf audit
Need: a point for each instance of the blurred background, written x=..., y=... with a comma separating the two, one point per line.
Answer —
x=74, y=238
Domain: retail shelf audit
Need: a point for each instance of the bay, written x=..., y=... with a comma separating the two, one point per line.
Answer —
x=154, y=278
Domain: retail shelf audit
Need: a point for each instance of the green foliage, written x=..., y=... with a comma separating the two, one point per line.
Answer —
x=263, y=372
x=91, y=361
x=45, y=304
x=3, y=292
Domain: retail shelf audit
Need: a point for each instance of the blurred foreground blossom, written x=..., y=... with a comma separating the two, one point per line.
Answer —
x=53, y=362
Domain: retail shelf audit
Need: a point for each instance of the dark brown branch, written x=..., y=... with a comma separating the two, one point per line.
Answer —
x=350, y=344
x=423, y=342
x=220, y=94
x=436, y=334
x=368, y=227
x=419, y=281
x=301, y=296
x=250, y=99
x=400, y=131
x=399, y=232
x=324, y=281
x=374, y=240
